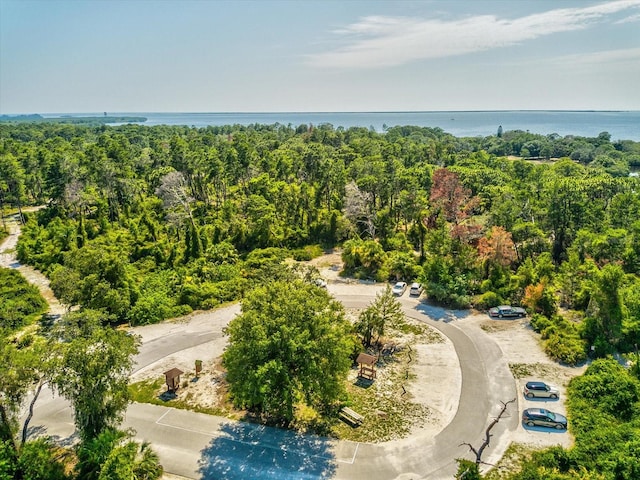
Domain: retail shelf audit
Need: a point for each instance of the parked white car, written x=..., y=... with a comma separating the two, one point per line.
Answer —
x=415, y=290
x=399, y=288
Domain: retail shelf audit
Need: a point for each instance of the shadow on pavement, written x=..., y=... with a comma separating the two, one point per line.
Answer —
x=540, y=399
x=537, y=428
x=441, y=314
x=40, y=431
x=249, y=451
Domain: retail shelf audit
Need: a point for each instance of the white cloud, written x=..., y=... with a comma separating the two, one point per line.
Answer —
x=629, y=19
x=628, y=56
x=378, y=41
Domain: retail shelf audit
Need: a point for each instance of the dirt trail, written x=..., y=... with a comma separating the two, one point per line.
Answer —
x=8, y=259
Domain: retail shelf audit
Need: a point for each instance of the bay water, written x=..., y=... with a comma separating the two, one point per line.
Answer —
x=621, y=125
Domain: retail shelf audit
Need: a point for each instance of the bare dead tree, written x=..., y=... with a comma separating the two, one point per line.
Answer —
x=173, y=191
x=358, y=208
x=487, y=435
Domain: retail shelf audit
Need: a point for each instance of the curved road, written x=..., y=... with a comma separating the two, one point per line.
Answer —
x=195, y=445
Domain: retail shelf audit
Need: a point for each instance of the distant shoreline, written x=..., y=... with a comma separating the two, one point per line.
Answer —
x=70, y=119
x=620, y=124
x=303, y=112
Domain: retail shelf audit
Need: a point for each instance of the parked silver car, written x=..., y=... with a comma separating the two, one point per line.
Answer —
x=541, y=417
x=540, y=390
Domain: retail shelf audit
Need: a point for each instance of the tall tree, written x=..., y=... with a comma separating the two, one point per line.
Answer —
x=290, y=345
x=385, y=310
x=449, y=196
x=94, y=375
x=497, y=247
x=605, y=312
x=12, y=178
x=359, y=208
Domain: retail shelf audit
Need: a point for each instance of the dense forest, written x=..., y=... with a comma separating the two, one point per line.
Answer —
x=147, y=223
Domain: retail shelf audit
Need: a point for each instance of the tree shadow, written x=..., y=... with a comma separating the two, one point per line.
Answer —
x=252, y=451
x=168, y=396
x=363, y=382
x=40, y=431
x=440, y=313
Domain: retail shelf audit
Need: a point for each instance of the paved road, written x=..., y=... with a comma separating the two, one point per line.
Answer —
x=201, y=446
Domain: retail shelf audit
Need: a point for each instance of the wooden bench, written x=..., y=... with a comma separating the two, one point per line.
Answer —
x=351, y=416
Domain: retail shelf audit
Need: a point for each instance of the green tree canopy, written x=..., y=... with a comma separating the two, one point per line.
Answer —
x=374, y=319
x=290, y=345
x=94, y=375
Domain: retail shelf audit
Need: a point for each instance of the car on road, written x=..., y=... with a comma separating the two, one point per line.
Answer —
x=540, y=390
x=415, y=290
x=541, y=417
x=507, y=311
x=399, y=289
x=319, y=282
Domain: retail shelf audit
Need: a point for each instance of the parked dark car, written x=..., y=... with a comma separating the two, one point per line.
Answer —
x=543, y=418
x=540, y=389
x=507, y=311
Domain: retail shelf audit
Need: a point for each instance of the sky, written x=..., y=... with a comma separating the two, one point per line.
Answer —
x=82, y=56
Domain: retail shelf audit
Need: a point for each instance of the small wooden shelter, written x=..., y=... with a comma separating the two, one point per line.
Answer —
x=172, y=378
x=367, y=366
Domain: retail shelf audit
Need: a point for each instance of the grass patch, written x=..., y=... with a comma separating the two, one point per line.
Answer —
x=155, y=393
x=420, y=331
x=521, y=370
x=410, y=328
x=498, y=325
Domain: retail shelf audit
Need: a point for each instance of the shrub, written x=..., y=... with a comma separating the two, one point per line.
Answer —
x=363, y=258
x=400, y=266
x=488, y=300
x=20, y=302
x=539, y=322
x=305, y=417
x=307, y=253
x=562, y=341
x=608, y=384
x=150, y=308
x=443, y=295
x=565, y=348
x=38, y=461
